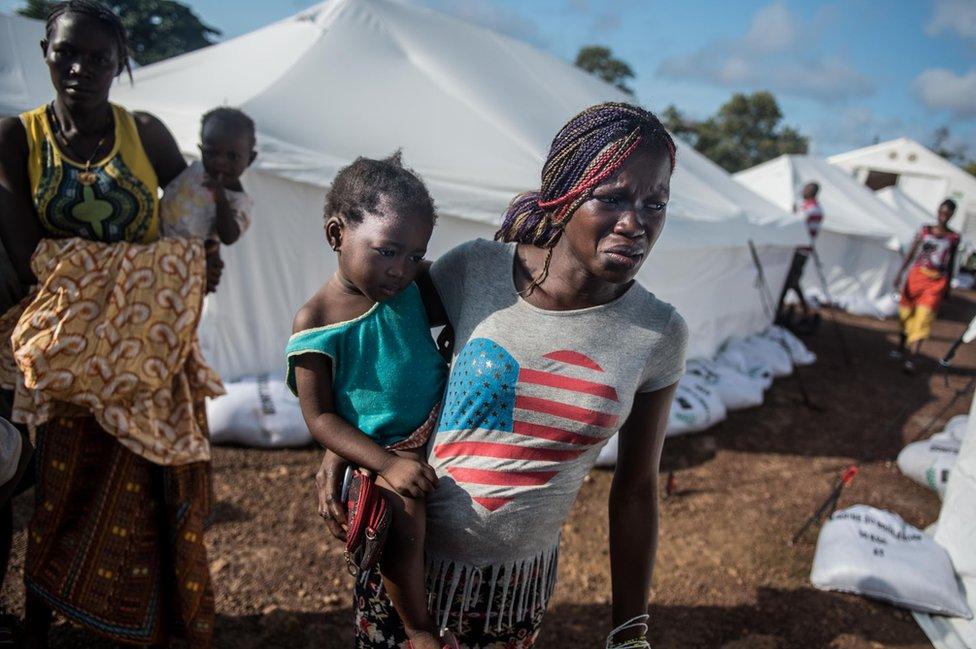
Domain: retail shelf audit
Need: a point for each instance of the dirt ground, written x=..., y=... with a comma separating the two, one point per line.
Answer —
x=725, y=576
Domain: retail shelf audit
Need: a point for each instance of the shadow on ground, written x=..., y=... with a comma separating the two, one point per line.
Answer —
x=806, y=618
x=879, y=407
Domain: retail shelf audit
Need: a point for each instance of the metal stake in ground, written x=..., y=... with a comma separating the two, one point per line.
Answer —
x=830, y=303
x=967, y=336
x=830, y=503
x=766, y=297
x=966, y=389
x=945, y=362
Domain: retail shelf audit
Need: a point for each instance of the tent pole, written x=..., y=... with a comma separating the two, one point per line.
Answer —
x=945, y=362
x=830, y=503
x=966, y=389
x=966, y=337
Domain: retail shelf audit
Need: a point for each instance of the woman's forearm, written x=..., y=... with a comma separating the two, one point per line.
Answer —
x=633, y=546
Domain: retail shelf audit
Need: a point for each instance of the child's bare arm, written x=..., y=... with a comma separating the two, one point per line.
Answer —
x=313, y=382
x=228, y=229
x=313, y=378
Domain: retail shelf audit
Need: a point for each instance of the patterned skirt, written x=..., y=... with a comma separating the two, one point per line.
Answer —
x=116, y=542
x=379, y=627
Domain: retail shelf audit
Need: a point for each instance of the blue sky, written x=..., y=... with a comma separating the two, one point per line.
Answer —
x=845, y=72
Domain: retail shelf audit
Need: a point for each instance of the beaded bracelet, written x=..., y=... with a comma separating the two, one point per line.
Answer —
x=640, y=642
x=635, y=643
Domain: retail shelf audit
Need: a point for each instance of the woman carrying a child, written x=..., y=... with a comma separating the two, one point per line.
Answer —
x=116, y=539
x=556, y=348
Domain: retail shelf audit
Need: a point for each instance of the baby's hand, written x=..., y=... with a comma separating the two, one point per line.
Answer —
x=409, y=477
x=216, y=186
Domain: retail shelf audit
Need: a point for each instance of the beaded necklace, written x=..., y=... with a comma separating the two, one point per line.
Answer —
x=86, y=177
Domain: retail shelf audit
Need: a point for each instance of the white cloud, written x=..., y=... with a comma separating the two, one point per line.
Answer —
x=777, y=53
x=606, y=16
x=773, y=29
x=944, y=89
x=853, y=127
x=954, y=16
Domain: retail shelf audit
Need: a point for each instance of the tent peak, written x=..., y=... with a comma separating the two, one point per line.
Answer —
x=887, y=145
x=320, y=14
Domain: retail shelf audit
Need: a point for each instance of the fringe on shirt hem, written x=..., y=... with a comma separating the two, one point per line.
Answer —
x=527, y=585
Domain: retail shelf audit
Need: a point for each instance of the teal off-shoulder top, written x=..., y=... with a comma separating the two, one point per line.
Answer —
x=387, y=374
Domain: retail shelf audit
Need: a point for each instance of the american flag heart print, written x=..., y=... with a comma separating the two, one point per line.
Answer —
x=507, y=429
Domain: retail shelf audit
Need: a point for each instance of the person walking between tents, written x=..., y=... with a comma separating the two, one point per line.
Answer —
x=813, y=215
x=933, y=259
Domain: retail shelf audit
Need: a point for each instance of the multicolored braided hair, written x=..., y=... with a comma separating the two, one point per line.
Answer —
x=586, y=151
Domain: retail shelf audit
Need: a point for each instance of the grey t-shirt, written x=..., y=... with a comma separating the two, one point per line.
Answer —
x=532, y=397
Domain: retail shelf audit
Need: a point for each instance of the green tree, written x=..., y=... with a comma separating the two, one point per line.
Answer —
x=942, y=144
x=680, y=125
x=158, y=29
x=745, y=131
x=600, y=62
x=957, y=154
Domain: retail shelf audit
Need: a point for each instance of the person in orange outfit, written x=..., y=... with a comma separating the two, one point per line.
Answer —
x=932, y=258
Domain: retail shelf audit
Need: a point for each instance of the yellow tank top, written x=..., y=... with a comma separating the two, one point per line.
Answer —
x=116, y=201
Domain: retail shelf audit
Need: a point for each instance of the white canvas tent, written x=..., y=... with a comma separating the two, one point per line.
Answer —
x=956, y=532
x=474, y=112
x=897, y=200
x=923, y=175
x=24, y=79
x=862, y=238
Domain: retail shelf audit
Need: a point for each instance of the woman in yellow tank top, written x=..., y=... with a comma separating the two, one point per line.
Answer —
x=103, y=553
x=110, y=199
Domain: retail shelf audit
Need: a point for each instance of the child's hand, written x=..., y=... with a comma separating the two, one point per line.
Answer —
x=216, y=187
x=328, y=483
x=408, y=476
x=214, y=266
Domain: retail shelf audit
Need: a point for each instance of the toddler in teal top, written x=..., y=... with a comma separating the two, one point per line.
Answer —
x=366, y=370
x=387, y=373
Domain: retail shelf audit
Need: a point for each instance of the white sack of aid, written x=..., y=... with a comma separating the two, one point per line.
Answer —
x=929, y=462
x=260, y=412
x=875, y=553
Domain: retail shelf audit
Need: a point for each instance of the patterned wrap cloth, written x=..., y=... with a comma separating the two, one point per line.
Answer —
x=111, y=332
x=116, y=542
x=107, y=344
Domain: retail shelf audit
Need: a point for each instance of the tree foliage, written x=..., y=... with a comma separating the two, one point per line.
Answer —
x=158, y=29
x=747, y=130
x=943, y=145
x=600, y=62
x=957, y=153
